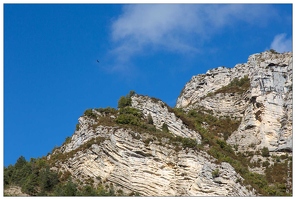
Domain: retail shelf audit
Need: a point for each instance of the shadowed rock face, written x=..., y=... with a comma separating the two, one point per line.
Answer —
x=265, y=108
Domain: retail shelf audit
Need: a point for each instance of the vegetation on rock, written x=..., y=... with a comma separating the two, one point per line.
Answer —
x=37, y=179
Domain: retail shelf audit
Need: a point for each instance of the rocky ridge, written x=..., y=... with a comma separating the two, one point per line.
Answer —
x=137, y=160
x=265, y=108
x=133, y=162
x=160, y=114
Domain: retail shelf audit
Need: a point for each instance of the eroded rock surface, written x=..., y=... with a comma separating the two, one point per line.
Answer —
x=138, y=162
x=265, y=108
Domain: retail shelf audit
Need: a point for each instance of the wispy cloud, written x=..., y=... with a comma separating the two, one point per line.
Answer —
x=177, y=28
x=281, y=43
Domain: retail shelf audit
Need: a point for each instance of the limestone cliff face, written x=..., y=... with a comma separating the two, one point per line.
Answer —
x=138, y=162
x=151, y=162
x=265, y=108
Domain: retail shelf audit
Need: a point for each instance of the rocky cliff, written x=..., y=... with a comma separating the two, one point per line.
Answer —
x=136, y=161
x=265, y=107
x=130, y=150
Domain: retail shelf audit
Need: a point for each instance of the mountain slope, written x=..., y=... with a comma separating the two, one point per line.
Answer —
x=229, y=135
x=150, y=163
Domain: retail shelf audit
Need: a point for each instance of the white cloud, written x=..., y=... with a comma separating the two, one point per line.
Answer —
x=281, y=44
x=179, y=28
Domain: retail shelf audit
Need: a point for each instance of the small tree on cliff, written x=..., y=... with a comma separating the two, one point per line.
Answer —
x=126, y=101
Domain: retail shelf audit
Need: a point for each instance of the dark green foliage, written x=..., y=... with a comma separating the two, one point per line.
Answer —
x=223, y=145
x=216, y=125
x=107, y=110
x=33, y=177
x=150, y=120
x=131, y=111
x=48, y=179
x=258, y=181
x=131, y=93
x=188, y=142
x=147, y=141
x=165, y=128
x=21, y=161
x=273, y=51
x=182, y=115
x=129, y=115
x=265, y=164
x=235, y=86
x=215, y=173
x=77, y=127
x=89, y=113
x=68, y=189
x=36, y=179
x=87, y=190
x=265, y=152
x=30, y=184
x=124, y=101
x=128, y=119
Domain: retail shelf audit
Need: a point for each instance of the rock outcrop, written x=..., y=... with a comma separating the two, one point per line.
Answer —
x=146, y=160
x=265, y=108
x=160, y=115
x=138, y=162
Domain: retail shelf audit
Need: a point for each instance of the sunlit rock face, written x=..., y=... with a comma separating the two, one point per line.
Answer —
x=153, y=169
x=139, y=162
x=265, y=108
x=160, y=114
x=130, y=162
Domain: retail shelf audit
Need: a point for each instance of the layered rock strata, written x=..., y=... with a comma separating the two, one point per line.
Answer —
x=124, y=160
x=140, y=163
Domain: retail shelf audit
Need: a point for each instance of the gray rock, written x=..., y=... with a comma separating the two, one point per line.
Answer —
x=265, y=109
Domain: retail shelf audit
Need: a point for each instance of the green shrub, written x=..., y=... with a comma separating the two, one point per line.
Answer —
x=89, y=113
x=77, y=127
x=131, y=111
x=236, y=85
x=107, y=110
x=128, y=119
x=165, y=128
x=265, y=164
x=188, y=142
x=129, y=115
x=215, y=173
x=273, y=51
x=126, y=101
x=150, y=120
x=48, y=179
x=68, y=189
x=265, y=152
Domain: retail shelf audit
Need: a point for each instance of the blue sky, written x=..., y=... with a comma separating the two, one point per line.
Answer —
x=51, y=75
